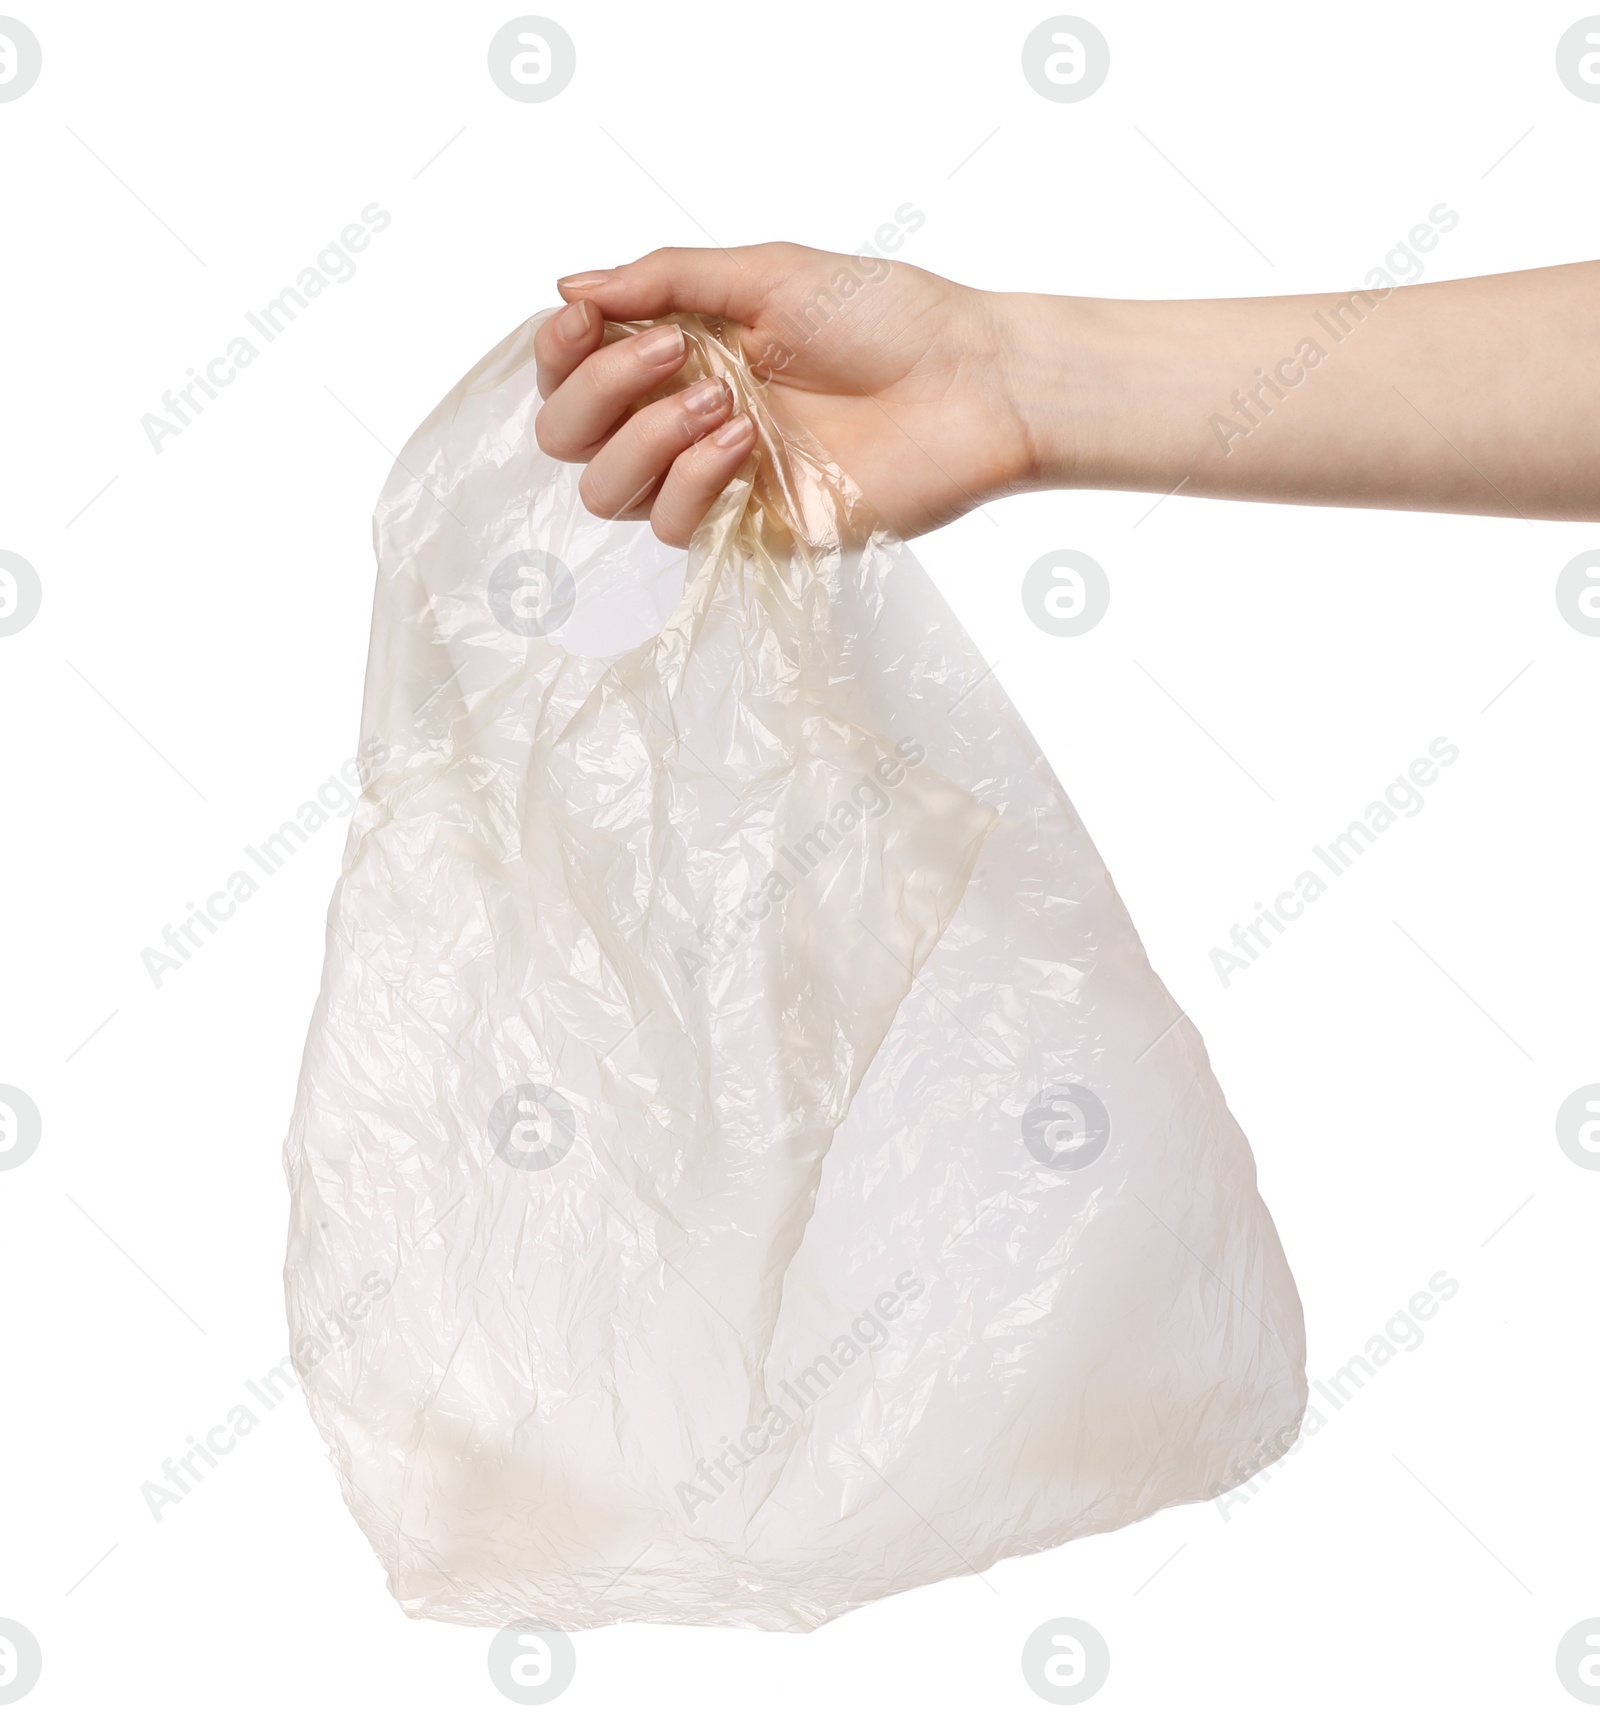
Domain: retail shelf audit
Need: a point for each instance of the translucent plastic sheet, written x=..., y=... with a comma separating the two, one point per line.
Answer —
x=744, y=1164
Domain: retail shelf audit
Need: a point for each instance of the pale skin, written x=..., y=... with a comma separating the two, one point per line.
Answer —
x=1473, y=397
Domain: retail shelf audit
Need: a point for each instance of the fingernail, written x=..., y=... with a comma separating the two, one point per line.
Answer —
x=577, y=283
x=706, y=397
x=658, y=344
x=574, y=321
x=735, y=431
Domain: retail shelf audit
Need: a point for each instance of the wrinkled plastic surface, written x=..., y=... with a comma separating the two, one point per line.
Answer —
x=744, y=1164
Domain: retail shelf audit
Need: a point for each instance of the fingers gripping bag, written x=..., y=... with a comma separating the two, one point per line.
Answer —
x=743, y=1163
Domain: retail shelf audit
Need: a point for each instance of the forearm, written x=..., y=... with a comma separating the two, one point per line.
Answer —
x=1478, y=396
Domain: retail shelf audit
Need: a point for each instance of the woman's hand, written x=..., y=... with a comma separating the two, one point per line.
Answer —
x=1474, y=396
x=896, y=373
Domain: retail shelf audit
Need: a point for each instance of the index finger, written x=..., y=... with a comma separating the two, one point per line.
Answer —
x=562, y=342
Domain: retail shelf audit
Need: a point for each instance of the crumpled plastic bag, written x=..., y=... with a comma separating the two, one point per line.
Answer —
x=744, y=1164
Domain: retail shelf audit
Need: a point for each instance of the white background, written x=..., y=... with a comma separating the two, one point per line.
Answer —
x=194, y=675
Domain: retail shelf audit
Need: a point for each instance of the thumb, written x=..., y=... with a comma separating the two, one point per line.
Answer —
x=715, y=283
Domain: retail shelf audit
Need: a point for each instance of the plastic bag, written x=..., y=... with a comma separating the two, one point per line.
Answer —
x=743, y=1163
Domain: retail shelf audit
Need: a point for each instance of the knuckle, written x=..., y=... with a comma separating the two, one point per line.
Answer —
x=671, y=532
x=619, y=365
x=593, y=497
x=618, y=370
x=660, y=430
x=550, y=439
x=680, y=430
x=708, y=471
x=655, y=269
x=778, y=257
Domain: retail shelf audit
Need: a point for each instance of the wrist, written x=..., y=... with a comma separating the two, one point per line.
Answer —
x=1043, y=364
x=1088, y=382
x=1054, y=370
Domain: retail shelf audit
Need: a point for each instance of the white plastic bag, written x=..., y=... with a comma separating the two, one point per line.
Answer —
x=744, y=1164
